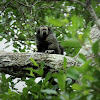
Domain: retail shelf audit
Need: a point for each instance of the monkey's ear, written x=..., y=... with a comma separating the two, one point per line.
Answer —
x=49, y=29
x=38, y=31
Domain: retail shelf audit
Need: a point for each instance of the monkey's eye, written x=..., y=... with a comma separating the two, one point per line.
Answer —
x=44, y=29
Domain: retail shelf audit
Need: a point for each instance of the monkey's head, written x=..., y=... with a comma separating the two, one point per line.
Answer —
x=43, y=31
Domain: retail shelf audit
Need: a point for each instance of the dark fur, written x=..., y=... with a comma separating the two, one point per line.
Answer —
x=45, y=40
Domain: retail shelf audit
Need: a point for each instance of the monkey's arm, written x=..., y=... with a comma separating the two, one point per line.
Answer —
x=53, y=44
x=39, y=46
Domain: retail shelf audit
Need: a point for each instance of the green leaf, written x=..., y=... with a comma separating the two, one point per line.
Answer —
x=61, y=81
x=16, y=45
x=35, y=88
x=42, y=64
x=49, y=91
x=57, y=22
x=21, y=37
x=25, y=91
x=9, y=91
x=1, y=39
x=7, y=46
x=85, y=66
x=82, y=57
x=86, y=35
x=72, y=73
x=48, y=76
x=77, y=21
x=76, y=87
x=64, y=63
x=71, y=43
x=31, y=71
x=30, y=82
x=96, y=47
x=39, y=71
x=4, y=78
x=34, y=62
x=87, y=91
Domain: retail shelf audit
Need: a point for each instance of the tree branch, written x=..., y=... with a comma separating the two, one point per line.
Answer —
x=92, y=13
x=89, y=7
x=23, y=4
x=46, y=6
x=6, y=6
x=15, y=63
x=78, y=2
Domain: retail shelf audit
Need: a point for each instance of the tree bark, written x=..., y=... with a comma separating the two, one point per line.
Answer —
x=15, y=63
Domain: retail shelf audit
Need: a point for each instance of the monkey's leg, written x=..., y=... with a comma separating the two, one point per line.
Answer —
x=54, y=47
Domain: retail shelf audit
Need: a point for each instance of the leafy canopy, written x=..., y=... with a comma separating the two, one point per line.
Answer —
x=71, y=23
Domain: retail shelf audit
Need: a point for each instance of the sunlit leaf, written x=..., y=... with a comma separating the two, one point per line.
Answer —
x=82, y=57
x=34, y=62
x=61, y=81
x=96, y=47
x=1, y=39
x=64, y=63
x=72, y=73
x=71, y=43
x=48, y=76
x=76, y=87
x=49, y=91
x=85, y=66
x=57, y=22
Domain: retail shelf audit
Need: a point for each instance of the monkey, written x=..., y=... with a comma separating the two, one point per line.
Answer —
x=46, y=41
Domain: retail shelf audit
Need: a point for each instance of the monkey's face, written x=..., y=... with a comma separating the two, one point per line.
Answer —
x=43, y=31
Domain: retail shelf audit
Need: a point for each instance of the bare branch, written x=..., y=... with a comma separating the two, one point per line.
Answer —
x=23, y=4
x=35, y=3
x=92, y=13
x=89, y=7
x=51, y=6
x=78, y=2
x=88, y=2
x=6, y=6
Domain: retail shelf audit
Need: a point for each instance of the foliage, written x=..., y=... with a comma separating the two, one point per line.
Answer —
x=71, y=23
x=19, y=20
x=74, y=83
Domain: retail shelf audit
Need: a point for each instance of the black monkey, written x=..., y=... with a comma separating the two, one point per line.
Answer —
x=46, y=41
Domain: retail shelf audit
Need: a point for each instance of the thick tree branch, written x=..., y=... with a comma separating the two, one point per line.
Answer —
x=15, y=63
x=89, y=7
x=92, y=13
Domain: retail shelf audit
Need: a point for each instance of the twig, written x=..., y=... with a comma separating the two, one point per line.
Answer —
x=89, y=7
x=92, y=13
x=6, y=6
x=46, y=6
x=78, y=2
x=58, y=30
x=23, y=4
x=35, y=3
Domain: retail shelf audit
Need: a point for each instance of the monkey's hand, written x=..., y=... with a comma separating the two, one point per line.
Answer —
x=50, y=51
